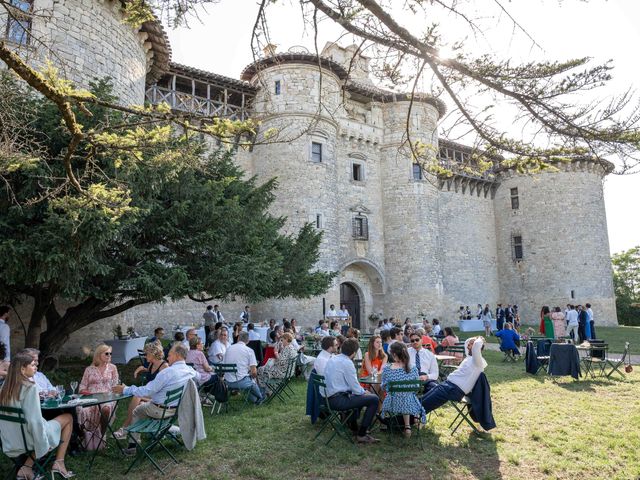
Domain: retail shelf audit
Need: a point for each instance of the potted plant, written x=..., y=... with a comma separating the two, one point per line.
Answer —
x=374, y=318
x=131, y=333
x=117, y=332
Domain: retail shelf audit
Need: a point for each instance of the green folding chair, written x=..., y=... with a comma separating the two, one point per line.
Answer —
x=278, y=386
x=463, y=408
x=157, y=429
x=40, y=465
x=618, y=362
x=221, y=369
x=401, y=387
x=337, y=420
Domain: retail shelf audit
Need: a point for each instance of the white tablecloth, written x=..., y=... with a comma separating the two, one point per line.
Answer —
x=262, y=331
x=474, y=325
x=125, y=350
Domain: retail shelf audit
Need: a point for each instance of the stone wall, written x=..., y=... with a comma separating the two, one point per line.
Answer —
x=563, y=226
x=86, y=39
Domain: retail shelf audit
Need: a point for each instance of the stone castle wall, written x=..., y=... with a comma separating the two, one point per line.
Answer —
x=563, y=226
x=85, y=40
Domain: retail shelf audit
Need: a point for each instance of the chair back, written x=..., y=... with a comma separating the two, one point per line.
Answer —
x=142, y=357
x=222, y=368
x=15, y=415
x=319, y=383
x=173, y=396
x=357, y=364
x=404, y=386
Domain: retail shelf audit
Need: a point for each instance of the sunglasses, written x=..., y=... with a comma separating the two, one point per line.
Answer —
x=107, y=353
x=415, y=340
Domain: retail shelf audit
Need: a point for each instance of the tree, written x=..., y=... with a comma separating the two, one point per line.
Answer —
x=626, y=282
x=190, y=225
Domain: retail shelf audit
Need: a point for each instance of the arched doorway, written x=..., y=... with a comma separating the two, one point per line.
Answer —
x=349, y=296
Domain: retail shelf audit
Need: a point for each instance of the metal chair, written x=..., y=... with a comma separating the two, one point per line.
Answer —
x=616, y=363
x=400, y=387
x=336, y=419
x=278, y=386
x=463, y=408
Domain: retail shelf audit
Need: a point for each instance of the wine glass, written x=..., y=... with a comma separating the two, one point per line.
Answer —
x=60, y=390
x=374, y=372
x=74, y=386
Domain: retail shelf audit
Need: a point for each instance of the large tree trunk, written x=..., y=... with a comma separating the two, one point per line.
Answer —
x=42, y=299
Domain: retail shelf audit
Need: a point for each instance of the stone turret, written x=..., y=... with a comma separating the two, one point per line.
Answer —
x=551, y=237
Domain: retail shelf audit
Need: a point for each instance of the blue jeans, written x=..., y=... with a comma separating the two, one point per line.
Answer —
x=255, y=393
x=438, y=396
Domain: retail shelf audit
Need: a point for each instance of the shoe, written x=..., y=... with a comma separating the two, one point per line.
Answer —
x=62, y=471
x=406, y=433
x=130, y=451
x=366, y=439
x=120, y=434
x=27, y=473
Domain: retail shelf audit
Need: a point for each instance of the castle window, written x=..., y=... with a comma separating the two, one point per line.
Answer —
x=515, y=200
x=316, y=152
x=516, y=247
x=278, y=87
x=417, y=171
x=360, y=227
x=19, y=21
x=357, y=172
x=319, y=221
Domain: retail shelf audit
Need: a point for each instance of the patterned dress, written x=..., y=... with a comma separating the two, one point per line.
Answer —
x=279, y=367
x=401, y=403
x=95, y=381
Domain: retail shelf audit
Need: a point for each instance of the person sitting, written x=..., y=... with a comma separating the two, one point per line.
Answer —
x=246, y=368
x=324, y=329
x=345, y=393
x=205, y=377
x=355, y=333
x=450, y=340
x=175, y=376
x=424, y=361
x=385, y=336
x=427, y=341
x=99, y=377
x=154, y=356
x=158, y=333
x=219, y=347
x=253, y=335
x=408, y=330
x=191, y=333
x=334, y=328
x=461, y=381
x=374, y=360
x=278, y=368
x=339, y=341
x=42, y=382
x=403, y=403
x=436, y=327
x=20, y=391
x=328, y=345
x=508, y=338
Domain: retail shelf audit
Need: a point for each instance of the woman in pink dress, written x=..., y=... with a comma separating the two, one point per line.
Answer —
x=559, y=326
x=450, y=340
x=98, y=378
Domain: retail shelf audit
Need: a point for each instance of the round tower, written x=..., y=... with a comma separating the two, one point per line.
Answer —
x=296, y=103
x=414, y=279
x=86, y=40
x=552, y=242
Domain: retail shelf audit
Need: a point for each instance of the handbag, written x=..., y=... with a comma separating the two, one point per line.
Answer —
x=92, y=440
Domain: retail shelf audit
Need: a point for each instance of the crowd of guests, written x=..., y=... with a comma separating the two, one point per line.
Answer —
x=576, y=322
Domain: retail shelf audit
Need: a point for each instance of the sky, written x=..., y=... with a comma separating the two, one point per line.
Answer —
x=602, y=29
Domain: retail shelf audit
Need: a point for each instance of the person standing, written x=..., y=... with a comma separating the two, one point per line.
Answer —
x=559, y=325
x=582, y=323
x=5, y=331
x=591, y=321
x=572, y=323
x=209, y=322
x=246, y=314
x=549, y=331
x=332, y=311
x=499, y=317
x=486, y=320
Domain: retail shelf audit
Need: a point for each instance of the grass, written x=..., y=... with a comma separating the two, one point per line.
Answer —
x=614, y=336
x=586, y=429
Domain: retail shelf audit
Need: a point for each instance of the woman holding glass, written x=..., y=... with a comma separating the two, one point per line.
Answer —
x=98, y=377
x=374, y=360
x=20, y=391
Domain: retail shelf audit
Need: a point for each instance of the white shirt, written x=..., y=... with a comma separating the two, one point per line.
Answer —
x=321, y=362
x=219, y=316
x=466, y=375
x=243, y=357
x=572, y=318
x=42, y=382
x=253, y=335
x=343, y=313
x=340, y=376
x=436, y=330
x=387, y=326
x=324, y=333
x=589, y=315
x=172, y=377
x=216, y=351
x=428, y=362
x=332, y=313
x=242, y=316
x=5, y=337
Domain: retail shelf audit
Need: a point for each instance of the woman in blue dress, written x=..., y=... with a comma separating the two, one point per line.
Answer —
x=401, y=403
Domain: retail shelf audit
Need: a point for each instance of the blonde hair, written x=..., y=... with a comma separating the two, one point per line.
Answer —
x=287, y=336
x=193, y=343
x=100, y=349
x=155, y=350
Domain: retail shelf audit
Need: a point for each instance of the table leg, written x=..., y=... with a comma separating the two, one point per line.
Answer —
x=108, y=430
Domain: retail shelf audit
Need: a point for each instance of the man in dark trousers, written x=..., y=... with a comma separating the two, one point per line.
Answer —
x=499, y=317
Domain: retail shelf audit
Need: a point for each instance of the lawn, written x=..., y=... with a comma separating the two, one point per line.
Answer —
x=614, y=336
x=586, y=429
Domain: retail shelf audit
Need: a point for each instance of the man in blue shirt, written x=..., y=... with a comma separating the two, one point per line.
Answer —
x=345, y=393
x=508, y=338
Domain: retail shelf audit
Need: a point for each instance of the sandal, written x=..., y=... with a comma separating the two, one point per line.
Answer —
x=63, y=472
x=406, y=433
x=26, y=473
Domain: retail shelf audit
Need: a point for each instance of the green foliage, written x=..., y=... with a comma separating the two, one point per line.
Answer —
x=626, y=281
x=162, y=219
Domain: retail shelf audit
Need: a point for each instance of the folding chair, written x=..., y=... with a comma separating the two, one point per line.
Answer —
x=462, y=407
x=357, y=364
x=221, y=369
x=157, y=428
x=40, y=465
x=337, y=420
x=618, y=362
x=399, y=387
x=143, y=358
x=278, y=386
x=596, y=358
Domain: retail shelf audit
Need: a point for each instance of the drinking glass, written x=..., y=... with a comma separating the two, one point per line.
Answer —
x=60, y=390
x=374, y=372
x=74, y=386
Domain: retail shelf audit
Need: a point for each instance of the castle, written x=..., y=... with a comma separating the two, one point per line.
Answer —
x=403, y=242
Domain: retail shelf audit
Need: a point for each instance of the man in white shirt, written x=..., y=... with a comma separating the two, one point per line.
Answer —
x=332, y=311
x=5, y=331
x=328, y=345
x=572, y=323
x=345, y=393
x=41, y=380
x=324, y=329
x=247, y=368
x=175, y=376
x=436, y=327
x=424, y=361
x=253, y=335
x=216, y=351
x=591, y=321
x=245, y=314
x=461, y=381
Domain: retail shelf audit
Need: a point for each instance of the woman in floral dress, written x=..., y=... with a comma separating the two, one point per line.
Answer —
x=98, y=378
x=278, y=369
x=401, y=403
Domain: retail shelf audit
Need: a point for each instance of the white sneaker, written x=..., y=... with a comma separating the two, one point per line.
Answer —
x=120, y=434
